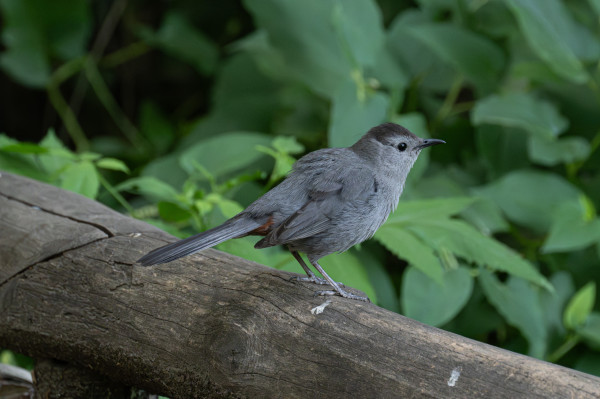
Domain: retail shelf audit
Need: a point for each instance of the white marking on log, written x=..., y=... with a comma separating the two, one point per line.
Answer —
x=454, y=376
x=319, y=309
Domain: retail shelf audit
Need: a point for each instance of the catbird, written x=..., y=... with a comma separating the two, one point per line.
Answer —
x=332, y=199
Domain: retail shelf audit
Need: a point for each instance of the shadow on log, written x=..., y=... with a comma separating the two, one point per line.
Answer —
x=214, y=325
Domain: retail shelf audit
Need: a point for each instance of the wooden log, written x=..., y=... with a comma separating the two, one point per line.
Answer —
x=54, y=380
x=214, y=325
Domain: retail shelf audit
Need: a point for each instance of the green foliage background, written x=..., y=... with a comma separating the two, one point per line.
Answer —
x=182, y=113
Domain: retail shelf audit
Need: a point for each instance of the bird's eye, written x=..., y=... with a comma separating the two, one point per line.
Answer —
x=402, y=147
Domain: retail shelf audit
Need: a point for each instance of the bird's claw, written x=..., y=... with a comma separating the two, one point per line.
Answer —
x=344, y=294
x=312, y=279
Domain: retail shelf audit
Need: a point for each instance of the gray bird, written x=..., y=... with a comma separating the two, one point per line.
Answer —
x=332, y=199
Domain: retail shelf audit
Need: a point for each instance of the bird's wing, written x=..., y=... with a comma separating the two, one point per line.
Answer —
x=329, y=193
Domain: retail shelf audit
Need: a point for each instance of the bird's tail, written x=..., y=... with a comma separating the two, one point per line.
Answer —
x=232, y=228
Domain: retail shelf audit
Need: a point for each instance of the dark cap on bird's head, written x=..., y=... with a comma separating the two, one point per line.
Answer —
x=389, y=133
x=389, y=129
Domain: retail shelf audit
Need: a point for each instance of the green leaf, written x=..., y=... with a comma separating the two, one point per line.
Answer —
x=66, y=24
x=553, y=303
x=486, y=216
x=387, y=294
x=406, y=246
x=322, y=42
x=502, y=149
x=283, y=146
x=556, y=37
x=166, y=169
x=520, y=110
x=530, y=197
x=387, y=70
x=24, y=148
x=397, y=237
x=16, y=359
x=23, y=165
x=534, y=71
x=58, y=156
x=553, y=152
x=179, y=38
x=477, y=308
x=82, y=178
x=438, y=6
x=492, y=19
x=432, y=209
x=89, y=156
x=418, y=60
x=519, y=303
x=229, y=208
x=590, y=331
x=172, y=212
x=595, y=4
x=224, y=154
x=287, y=145
x=572, y=229
x=433, y=303
x=5, y=140
x=113, y=164
x=37, y=30
x=580, y=306
x=474, y=56
x=354, y=111
x=275, y=257
x=25, y=59
x=467, y=243
x=150, y=187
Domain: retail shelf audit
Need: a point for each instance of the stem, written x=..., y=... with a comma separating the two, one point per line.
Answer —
x=102, y=38
x=88, y=63
x=66, y=70
x=462, y=107
x=68, y=117
x=109, y=187
x=124, y=54
x=563, y=349
x=109, y=102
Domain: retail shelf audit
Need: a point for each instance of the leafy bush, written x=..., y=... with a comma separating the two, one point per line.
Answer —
x=497, y=235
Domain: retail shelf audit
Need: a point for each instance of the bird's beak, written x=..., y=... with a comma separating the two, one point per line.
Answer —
x=430, y=142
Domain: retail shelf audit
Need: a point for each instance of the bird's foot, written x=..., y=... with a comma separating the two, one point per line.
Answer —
x=344, y=294
x=312, y=279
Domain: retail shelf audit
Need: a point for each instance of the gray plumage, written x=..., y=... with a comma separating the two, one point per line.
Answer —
x=332, y=199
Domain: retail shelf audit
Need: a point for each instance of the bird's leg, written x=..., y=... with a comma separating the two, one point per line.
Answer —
x=338, y=290
x=312, y=278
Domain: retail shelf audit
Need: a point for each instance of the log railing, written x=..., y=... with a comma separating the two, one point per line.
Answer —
x=214, y=325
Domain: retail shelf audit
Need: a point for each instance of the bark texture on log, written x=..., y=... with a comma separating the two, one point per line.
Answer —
x=214, y=325
x=56, y=380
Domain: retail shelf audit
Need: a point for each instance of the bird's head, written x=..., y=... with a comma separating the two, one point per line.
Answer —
x=392, y=148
